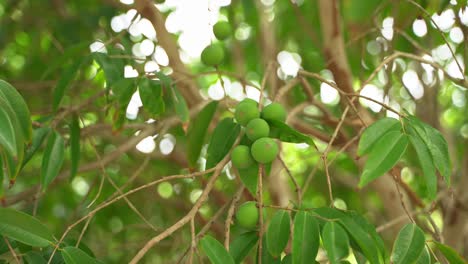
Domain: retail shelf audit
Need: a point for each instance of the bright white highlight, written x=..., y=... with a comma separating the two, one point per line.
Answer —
x=419, y=27
x=411, y=81
x=373, y=92
x=146, y=145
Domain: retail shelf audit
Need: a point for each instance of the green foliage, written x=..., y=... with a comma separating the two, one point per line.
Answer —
x=215, y=251
x=222, y=140
x=53, y=159
x=335, y=241
x=306, y=238
x=384, y=156
x=277, y=235
x=409, y=244
x=241, y=246
x=73, y=255
x=24, y=228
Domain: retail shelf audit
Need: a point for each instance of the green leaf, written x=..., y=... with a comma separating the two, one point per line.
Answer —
x=66, y=77
x=180, y=105
x=215, y=251
x=266, y=256
x=123, y=90
x=287, y=259
x=358, y=230
x=32, y=257
x=249, y=178
x=375, y=132
x=24, y=228
x=38, y=138
x=74, y=255
x=113, y=68
x=74, y=145
x=408, y=245
x=450, y=254
x=19, y=107
x=72, y=52
x=427, y=165
x=277, y=235
x=286, y=133
x=4, y=247
x=52, y=160
x=224, y=136
x=151, y=95
x=436, y=143
x=2, y=177
x=386, y=153
x=335, y=241
x=425, y=257
x=306, y=238
x=197, y=131
x=7, y=132
x=242, y=245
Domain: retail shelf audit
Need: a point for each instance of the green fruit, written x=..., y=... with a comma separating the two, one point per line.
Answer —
x=246, y=111
x=241, y=157
x=257, y=128
x=222, y=30
x=274, y=111
x=249, y=101
x=165, y=190
x=212, y=55
x=247, y=215
x=160, y=1
x=264, y=150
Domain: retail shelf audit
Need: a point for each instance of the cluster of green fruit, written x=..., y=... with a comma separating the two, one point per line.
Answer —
x=213, y=54
x=263, y=149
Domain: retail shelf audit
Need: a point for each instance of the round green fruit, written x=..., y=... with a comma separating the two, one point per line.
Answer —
x=165, y=190
x=212, y=55
x=257, y=128
x=249, y=101
x=264, y=150
x=246, y=111
x=247, y=215
x=222, y=30
x=241, y=157
x=274, y=111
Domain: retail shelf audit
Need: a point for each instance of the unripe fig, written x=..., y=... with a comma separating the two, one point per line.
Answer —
x=264, y=150
x=247, y=215
x=257, y=128
x=246, y=111
x=274, y=111
x=212, y=55
x=222, y=30
x=241, y=157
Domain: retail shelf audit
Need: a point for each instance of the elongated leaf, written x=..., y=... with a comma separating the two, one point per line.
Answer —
x=362, y=237
x=123, y=89
x=223, y=138
x=74, y=255
x=450, y=254
x=113, y=68
x=72, y=52
x=425, y=257
x=249, y=178
x=66, y=77
x=278, y=233
x=242, y=245
x=427, y=165
x=151, y=96
x=8, y=132
x=286, y=133
x=197, y=131
x=24, y=228
x=2, y=177
x=19, y=106
x=386, y=153
x=335, y=241
x=180, y=105
x=287, y=259
x=52, y=160
x=408, y=245
x=32, y=257
x=215, y=251
x=376, y=131
x=306, y=238
x=436, y=143
x=266, y=256
x=74, y=145
x=38, y=138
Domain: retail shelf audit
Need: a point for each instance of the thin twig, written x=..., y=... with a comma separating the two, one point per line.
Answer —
x=230, y=215
x=13, y=253
x=296, y=185
x=260, y=212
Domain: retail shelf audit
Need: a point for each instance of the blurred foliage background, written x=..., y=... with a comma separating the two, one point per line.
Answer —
x=41, y=40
